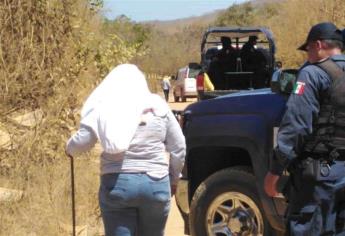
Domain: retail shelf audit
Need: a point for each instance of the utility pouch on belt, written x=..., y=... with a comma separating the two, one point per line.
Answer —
x=310, y=168
x=315, y=169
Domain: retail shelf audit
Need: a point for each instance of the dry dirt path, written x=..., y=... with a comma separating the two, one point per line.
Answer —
x=175, y=223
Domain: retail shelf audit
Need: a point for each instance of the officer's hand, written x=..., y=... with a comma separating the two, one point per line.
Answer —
x=270, y=184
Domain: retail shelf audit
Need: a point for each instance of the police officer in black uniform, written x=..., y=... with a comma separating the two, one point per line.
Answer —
x=311, y=140
x=249, y=54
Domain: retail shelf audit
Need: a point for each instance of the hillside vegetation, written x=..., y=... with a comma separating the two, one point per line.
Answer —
x=289, y=20
x=53, y=52
x=173, y=44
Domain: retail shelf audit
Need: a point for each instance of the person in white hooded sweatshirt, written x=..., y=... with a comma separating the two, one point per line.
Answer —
x=135, y=129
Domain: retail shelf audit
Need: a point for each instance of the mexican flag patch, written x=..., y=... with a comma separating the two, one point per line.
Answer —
x=299, y=88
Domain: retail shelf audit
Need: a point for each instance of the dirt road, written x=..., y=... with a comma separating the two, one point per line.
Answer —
x=175, y=223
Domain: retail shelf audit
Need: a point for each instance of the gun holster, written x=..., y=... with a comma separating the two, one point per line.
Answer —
x=310, y=168
x=315, y=169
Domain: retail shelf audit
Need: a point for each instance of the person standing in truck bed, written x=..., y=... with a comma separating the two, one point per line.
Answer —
x=224, y=61
x=249, y=54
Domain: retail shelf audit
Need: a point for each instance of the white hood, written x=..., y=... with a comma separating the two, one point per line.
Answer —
x=113, y=110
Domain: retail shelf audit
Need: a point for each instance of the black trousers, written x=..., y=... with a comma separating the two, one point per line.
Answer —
x=166, y=94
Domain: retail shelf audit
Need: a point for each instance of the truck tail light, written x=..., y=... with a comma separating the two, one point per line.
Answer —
x=200, y=82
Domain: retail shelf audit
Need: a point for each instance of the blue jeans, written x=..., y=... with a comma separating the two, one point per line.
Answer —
x=134, y=204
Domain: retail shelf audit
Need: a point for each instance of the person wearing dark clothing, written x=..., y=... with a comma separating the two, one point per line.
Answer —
x=224, y=61
x=310, y=141
x=227, y=48
x=249, y=47
x=227, y=56
x=249, y=54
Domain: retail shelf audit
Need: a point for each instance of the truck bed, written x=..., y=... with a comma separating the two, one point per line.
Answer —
x=216, y=93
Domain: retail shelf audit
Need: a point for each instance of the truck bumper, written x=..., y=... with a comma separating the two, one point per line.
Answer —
x=182, y=203
x=190, y=94
x=182, y=196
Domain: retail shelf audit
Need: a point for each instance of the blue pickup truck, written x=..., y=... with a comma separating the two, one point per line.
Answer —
x=229, y=141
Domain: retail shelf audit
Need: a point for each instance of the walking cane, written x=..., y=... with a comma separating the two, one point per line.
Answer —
x=73, y=200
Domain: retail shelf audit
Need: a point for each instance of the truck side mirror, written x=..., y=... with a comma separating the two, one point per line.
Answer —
x=283, y=81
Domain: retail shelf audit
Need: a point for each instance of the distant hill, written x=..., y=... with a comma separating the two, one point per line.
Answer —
x=173, y=26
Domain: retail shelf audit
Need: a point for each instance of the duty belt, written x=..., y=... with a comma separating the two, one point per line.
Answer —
x=337, y=154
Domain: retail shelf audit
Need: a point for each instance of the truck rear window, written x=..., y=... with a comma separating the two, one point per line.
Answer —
x=193, y=73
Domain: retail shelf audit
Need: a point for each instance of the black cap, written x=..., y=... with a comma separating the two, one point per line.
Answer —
x=226, y=41
x=325, y=30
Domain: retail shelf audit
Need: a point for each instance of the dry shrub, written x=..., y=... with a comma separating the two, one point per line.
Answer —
x=294, y=20
x=50, y=54
x=289, y=20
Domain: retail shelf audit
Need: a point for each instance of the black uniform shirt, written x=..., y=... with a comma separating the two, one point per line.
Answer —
x=302, y=109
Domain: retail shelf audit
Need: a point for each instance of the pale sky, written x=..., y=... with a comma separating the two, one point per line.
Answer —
x=144, y=10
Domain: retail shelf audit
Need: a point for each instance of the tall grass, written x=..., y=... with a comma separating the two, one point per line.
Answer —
x=51, y=55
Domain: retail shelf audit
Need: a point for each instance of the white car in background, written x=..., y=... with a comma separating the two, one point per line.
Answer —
x=185, y=84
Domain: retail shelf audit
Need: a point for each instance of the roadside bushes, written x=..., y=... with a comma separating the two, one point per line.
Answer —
x=289, y=21
x=52, y=52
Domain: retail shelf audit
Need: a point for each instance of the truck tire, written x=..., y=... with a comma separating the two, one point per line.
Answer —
x=227, y=203
x=176, y=98
x=183, y=98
